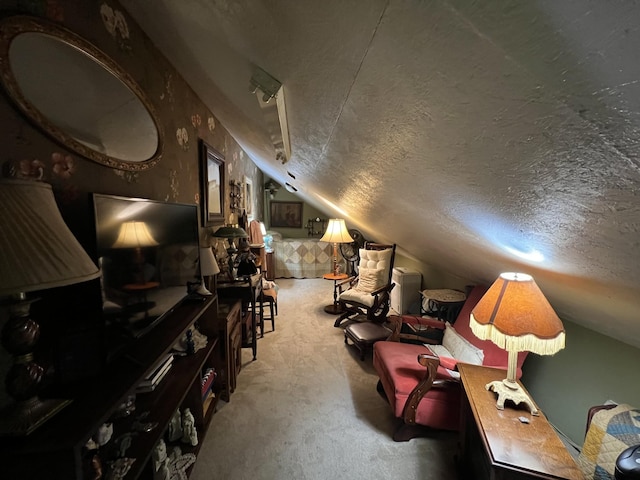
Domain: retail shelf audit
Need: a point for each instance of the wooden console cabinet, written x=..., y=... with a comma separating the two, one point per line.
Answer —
x=497, y=445
x=231, y=314
x=57, y=448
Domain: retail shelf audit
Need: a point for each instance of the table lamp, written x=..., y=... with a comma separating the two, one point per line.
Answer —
x=135, y=235
x=231, y=232
x=208, y=267
x=516, y=316
x=38, y=252
x=336, y=233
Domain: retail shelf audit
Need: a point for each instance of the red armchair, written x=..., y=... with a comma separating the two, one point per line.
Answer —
x=422, y=389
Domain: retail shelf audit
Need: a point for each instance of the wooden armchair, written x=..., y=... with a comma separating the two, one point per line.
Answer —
x=422, y=388
x=368, y=293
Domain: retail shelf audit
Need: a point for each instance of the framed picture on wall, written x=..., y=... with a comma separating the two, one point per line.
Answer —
x=248, y=196
x=212, y=185
x=286, y=214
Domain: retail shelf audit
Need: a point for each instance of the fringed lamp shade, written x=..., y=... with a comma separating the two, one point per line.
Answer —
x=336, y=233
x=515, y=315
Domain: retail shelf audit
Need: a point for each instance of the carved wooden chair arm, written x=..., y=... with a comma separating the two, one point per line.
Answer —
x=395, y=322
x=384, y=289
x=350, y=281
x=422, y=388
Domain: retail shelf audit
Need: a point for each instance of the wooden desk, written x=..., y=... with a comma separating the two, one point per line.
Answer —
x=248, y=291
x=496, y=445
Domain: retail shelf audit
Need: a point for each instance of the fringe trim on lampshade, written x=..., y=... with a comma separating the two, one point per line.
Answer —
x=522, y=343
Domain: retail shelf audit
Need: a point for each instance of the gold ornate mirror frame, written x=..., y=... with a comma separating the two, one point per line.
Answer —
x=144, y=140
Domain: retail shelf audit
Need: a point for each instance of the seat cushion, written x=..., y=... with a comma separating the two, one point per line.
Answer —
x=355, y=295
x=399, y=372
x=270, y=294
x=367, y=332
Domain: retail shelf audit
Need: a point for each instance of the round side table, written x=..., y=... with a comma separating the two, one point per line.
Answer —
x=444, y=303
x=334, y=308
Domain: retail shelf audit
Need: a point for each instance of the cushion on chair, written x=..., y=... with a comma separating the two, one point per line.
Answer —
x=270, y=293
x=376, y=259
x=355, y=295
x=370, y=279
x=461, y=349
x=399, y=372
x=373, y=271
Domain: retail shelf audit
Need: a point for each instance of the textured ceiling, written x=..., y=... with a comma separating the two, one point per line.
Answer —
x=478, y=136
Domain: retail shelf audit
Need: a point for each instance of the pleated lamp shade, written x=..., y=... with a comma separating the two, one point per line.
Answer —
x=37, y=249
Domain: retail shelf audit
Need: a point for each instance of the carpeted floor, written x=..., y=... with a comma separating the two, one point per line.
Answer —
x=307, y=408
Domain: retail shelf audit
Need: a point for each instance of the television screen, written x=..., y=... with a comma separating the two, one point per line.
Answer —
x=148, y=252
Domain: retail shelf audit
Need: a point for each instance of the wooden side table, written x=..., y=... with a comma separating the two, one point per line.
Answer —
x=334, y=308
x=497, y=445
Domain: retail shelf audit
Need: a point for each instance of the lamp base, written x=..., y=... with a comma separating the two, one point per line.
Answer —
x=202, y=290
x=22, y=418
x=509, y=390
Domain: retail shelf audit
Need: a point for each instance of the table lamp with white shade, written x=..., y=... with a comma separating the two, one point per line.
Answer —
x=208, y=268
x=336, y=233
x=38, y=252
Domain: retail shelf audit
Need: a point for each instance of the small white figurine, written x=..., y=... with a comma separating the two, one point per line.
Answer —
x=163, y=471
x=175, y=427
x=189, y=433
x=159, y=455
x=104, y=434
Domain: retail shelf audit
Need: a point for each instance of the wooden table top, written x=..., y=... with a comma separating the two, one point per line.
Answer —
x=333, y=276
x=527, y=447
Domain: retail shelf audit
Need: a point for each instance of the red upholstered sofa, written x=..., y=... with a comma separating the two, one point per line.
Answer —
x=418, y=385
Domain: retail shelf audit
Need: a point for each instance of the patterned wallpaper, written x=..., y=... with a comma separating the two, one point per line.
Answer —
x=27, y=152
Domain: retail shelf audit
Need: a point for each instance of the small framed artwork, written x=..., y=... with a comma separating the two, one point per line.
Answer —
x=248, y=196
x=212, y=185
x=286, y=214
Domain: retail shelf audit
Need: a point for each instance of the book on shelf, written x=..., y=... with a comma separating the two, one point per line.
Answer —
x=157, y=374
x=207, y=382
x=208, y=401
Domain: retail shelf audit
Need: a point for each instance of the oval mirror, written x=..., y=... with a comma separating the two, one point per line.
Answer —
x=77, y=94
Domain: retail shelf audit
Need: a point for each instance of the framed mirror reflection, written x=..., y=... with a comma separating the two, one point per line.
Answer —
x=85, y=101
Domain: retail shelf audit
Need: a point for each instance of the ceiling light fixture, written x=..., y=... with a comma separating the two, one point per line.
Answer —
x=265, y=87
x=290, y=188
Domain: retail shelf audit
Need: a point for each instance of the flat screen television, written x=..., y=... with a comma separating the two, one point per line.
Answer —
x=148, y=252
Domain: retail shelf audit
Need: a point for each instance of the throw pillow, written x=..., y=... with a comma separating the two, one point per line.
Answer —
x=370, y=279
x=461, y=349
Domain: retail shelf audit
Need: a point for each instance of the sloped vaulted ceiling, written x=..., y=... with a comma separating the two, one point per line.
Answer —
x=480, y=136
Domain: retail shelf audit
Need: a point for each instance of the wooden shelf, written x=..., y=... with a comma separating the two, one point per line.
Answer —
x=56, y=448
